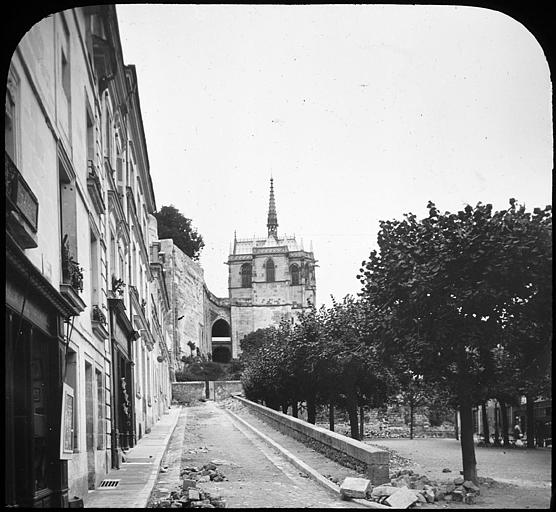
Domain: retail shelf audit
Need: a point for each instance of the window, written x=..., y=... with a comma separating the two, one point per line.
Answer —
x=94, y=276
x=294, y=271
x=65, y=77
x=108, y=136
x=100, y=410
x=270, y=271
x=90, y=138
x=71, y=380
x=10, y=124
x=246, y=271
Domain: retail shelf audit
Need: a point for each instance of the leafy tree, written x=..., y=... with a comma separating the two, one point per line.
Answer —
x=444, y=288
x=173, y=224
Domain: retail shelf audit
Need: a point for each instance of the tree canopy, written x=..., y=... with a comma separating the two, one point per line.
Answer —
x=453, y=289
x=173, y=224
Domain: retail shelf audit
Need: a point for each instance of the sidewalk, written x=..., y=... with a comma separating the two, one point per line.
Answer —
x=138, y=474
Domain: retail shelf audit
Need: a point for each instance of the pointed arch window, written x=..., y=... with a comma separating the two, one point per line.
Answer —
x=246, y=273
x=294, y=272
x=270, y=276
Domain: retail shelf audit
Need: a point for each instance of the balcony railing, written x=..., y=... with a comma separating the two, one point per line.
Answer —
x=22, y=206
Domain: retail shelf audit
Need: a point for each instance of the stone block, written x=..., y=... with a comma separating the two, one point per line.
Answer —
x=429, y=495
x=354, y=487
x=457, y=495
x=458, y=480
x=204, y=478
x=383, y=490
x=403, y=498
x=187, y=483
x=469, y=499
x=470, y=486
x=193, y=495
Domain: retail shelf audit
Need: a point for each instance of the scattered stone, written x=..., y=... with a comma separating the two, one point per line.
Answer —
x=164, y=470
x=450, y=487
x=429, y=495
x=469, y=498
x=470, y=486
x=193, y=494
x=439, y=496
x=187, y=483
x=459, y=480
x=383, y=490
x=457, y=495
x=354, y=487
x=204, y=478
x=446, y=470
x=403, y=498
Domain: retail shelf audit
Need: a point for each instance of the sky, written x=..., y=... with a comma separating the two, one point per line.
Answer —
x=360, y=113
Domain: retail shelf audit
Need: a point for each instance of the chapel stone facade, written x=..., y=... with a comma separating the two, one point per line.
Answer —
x=270, y=278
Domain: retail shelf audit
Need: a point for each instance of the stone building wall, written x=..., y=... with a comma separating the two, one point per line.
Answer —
x=186, y=279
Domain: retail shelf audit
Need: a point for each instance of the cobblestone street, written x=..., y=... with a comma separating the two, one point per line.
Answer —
x=256, y=476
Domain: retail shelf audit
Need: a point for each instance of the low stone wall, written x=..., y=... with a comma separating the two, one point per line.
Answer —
x=187, y=392
x=226, y=388
x=372, y=461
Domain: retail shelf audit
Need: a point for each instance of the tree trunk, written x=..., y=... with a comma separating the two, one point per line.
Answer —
x=504, y=414
x=361, y=422
x=496, y=431
x=331, y=416
x=486, y=430
x=311, y=410
x=285, y=407
x=456, y=427
x=411, y=415
x=467, y=444
x=530, y=411
x=295, y=410
x=351, y=406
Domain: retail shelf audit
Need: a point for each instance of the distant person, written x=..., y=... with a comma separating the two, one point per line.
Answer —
x=517, y=433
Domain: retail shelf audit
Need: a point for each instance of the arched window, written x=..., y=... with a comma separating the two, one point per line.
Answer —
x=246, y=275
x=269, y=271
x=294, y=271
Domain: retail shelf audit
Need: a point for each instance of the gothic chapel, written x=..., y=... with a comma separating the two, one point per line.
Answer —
x=270, y=278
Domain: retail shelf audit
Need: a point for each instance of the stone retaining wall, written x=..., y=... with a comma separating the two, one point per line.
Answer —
x=187, y=392
x=372, y=461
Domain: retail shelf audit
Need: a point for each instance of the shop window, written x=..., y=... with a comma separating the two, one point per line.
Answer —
x=71, y=380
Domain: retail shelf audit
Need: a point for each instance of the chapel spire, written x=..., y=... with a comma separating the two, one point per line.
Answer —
x=272, y=222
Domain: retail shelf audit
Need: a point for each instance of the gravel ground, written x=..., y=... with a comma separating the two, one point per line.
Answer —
x=522, y=478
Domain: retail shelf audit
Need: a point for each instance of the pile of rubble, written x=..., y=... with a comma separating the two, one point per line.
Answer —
x=189, y=496
x=407, y=489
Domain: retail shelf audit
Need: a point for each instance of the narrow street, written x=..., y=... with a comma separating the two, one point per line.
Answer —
x=256, y=476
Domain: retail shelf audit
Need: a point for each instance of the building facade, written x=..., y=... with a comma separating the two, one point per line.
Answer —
x=270, y=278
x=87, y=364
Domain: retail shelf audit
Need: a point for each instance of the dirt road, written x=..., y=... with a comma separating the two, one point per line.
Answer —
x=257, y=477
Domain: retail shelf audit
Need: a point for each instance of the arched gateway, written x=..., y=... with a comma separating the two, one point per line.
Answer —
x=221, y=341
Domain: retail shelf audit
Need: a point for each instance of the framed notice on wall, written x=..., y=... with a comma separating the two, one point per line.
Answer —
x=66, y=431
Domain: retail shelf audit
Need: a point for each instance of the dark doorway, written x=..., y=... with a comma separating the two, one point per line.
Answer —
x=220, y=329
x=221, y=355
